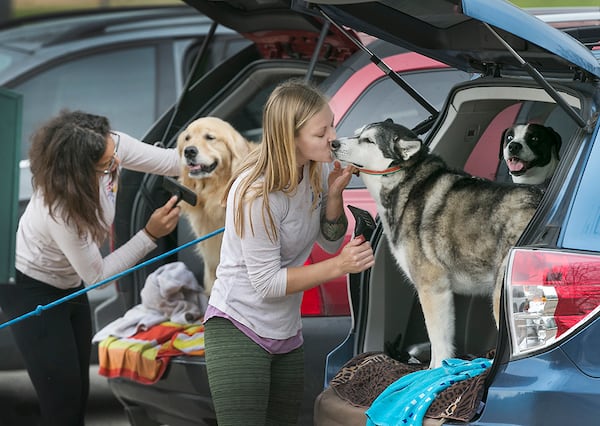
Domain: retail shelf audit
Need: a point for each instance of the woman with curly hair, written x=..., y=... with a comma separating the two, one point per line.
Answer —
x=75, y=160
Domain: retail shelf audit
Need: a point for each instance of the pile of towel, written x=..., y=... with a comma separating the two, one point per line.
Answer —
x=171, y=293
x=167, y=323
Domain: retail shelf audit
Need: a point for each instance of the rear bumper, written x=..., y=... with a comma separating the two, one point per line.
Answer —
x=180, y=397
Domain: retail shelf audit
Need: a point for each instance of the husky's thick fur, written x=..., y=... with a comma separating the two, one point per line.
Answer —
x=448, y=231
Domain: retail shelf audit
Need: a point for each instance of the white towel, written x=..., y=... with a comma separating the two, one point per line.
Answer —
x=135, y=319
x=174, y=291
x=171, y=293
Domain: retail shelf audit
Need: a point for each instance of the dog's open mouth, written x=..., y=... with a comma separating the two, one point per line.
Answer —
x=201, y=169
x=516, y=166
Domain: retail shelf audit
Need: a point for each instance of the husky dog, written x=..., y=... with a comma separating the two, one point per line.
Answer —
x=531, y=152
x=448, y=231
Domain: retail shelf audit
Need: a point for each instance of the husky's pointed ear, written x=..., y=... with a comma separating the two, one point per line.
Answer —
x=389, y=121
x=406, y=148
x=358, y=131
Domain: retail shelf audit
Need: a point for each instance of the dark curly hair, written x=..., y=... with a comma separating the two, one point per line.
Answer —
x=63, y=157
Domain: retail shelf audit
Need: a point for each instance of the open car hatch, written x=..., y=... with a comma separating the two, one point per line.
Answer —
x=297, y=36
x=492, y=38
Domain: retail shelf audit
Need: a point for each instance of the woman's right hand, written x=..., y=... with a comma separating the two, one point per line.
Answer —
x=164, y=219
x=356, y=256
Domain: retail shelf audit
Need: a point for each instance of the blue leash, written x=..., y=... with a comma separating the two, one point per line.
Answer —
x=40, y=308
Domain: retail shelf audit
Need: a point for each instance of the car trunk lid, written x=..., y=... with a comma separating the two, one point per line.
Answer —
x=297, y=36
x=458, y=33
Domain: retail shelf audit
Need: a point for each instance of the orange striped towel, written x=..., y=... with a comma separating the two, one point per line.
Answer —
x=144, y=356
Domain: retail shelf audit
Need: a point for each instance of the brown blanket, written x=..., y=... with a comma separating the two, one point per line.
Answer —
x=365, y=376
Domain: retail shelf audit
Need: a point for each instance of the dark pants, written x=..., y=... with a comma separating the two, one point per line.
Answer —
x=55, y=346
x=249, y=386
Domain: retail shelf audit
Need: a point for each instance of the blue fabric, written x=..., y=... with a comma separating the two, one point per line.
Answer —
x=406, y=401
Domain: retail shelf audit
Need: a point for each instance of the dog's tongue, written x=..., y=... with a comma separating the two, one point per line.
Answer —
x=515, y=165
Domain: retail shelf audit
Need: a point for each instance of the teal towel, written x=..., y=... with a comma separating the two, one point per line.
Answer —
x=406, y=401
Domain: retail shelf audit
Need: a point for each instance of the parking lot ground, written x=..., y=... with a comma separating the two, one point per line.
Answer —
x=18, y=403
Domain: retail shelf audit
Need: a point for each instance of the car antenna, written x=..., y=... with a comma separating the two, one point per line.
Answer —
x=385, y=68
x=538, y=77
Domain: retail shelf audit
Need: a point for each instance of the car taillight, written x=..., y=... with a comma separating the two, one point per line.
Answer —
x=548, y=294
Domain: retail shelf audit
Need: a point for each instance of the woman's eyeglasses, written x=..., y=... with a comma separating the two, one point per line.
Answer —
x=109, y=168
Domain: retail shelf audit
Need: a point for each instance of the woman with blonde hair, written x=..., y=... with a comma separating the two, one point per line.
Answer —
x=285, y=198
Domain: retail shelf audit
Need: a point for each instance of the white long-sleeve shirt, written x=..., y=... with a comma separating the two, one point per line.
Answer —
x=252, y=274
x=50, y=251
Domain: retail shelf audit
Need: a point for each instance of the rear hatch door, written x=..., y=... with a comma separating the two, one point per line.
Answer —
x=278, y=31
x=461, y=33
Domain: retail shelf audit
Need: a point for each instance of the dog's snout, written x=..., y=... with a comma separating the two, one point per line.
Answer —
x=335, y=144
x=190, y=152
x=514, y=147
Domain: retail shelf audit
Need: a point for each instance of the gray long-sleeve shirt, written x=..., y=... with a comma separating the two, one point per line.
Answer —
x=252, y=275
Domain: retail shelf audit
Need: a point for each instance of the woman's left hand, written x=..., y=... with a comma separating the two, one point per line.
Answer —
x=339, y=177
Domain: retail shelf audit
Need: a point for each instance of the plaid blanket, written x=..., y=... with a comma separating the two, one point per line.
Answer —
x=144, y=356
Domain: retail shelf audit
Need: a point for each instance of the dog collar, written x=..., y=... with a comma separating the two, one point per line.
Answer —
x=385, y=172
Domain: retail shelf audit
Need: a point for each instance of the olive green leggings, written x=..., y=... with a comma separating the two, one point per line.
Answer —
x=249, y=386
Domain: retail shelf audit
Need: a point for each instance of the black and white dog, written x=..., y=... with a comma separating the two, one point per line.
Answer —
x=448, y=231
x=530, y=152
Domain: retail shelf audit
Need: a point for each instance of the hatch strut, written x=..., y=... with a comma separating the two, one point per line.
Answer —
x=541, y=80
x=315, y=56
x=202, y=52
x=386, y=69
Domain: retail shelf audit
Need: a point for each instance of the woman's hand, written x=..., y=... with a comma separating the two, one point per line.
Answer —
x=356, y=256
x=339, y=178
x=164, y=219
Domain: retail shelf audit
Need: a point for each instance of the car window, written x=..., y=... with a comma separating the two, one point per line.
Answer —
x=385, y=99
x=96, y=84
x=5, y=61
x=248, y=119
x=484, y=160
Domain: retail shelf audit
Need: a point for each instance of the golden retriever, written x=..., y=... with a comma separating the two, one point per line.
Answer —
x=209, y=149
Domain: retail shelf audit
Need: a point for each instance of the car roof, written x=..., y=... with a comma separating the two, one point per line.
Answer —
x=29, y=35
x=29, y=43
x=568, y=17
x=465, y=34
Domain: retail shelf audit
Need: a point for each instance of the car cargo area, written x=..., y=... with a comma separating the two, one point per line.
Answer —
x=389, y=323
x=394, y=322
x=469, y=138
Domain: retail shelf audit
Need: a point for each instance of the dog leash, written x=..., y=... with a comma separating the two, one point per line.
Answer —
x=40, y=308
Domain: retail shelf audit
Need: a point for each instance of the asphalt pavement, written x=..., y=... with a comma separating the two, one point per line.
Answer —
x=18, y=403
